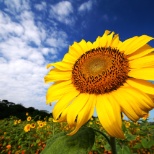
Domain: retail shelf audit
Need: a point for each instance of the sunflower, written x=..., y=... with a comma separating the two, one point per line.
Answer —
x=29, y=118
x=109, y=75
x=27, y=128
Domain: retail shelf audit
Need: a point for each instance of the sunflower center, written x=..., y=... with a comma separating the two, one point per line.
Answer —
x=100, y=71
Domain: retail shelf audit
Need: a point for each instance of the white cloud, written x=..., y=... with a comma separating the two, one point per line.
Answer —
x=86, y=6
x=62, y=12
x=41, y=6
x=16, y=6
x=57, y=39
x=24, y=44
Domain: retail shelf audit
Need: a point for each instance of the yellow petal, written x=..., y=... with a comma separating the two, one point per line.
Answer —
x=56, y=75
x=62, y=116
x=85, y=114
x=142, y=85
x=77, y=49
x=115, y=41
x=63, y=66
x=83, y=45
x=108, y=116
x=146, y=61
x=76, y=107
x=143, y=101
x=49, y=65
x=96, y=44
x=89, y=45
x=144, y=73
x=103, y=39
x=146, y=49
x=64, y=102
x=70, y=58
x=124, y=45
x=109, y=39
x=127, y=107
x=54, y=93
x=138, y=43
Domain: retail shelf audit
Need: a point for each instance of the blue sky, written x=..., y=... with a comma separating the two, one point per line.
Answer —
x=34, y=33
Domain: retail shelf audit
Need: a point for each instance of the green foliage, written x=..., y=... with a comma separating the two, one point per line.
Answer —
x=47, y=136
x=81, y=142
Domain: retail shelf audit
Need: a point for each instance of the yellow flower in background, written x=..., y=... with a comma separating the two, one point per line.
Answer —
x=15, y=122
x=109, y=75
x=41, y=124
x=127, y=124
x=38, y=122
x=27, y=114
x=29, y=118
x=32, y=125
x=27, y=128
x=19, y=121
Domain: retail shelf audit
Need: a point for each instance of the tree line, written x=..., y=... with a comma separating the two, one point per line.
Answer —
x=8, y=109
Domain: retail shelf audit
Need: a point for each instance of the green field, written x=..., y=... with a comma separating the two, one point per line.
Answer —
x=30, y=136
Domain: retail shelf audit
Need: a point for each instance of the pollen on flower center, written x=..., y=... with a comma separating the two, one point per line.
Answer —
x=100, y=70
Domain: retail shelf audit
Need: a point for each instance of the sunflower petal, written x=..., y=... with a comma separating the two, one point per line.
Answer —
x=69, y=58
x=62, y=116
x=108, y=116
x=115, y=41
x=90, y=45
x=146, y=61
x=144, y=73
x=77, y=48
x=124, y=45
x=127, y=107
x=76, y=107
x=143, y=101
x=142, y=85
x=64, y=102
x=96, y=44
x=56, y=75
x=83, y=117
x=146, y=49
x=109, y=39
x=63, y=66
x=54, y=93
x=138, y=43
x=103, y=39
x=83, y=45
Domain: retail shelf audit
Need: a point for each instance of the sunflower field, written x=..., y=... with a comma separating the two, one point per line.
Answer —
x=31, y=136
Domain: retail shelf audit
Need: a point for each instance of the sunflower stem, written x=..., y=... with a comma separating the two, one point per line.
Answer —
x=108, y=140
x=113, y=145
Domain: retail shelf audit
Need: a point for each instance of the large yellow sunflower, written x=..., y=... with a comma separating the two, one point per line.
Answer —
x=109, y=75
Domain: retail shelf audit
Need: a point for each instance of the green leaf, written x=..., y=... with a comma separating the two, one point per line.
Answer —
x=124, y=150
x=107, y=147
x=130, y=137
x=138, y=146
x=80, y=143
x=151, y=143
x=145, y=143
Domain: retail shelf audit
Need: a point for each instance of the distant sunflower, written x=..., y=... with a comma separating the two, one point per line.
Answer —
x=108, y=74
x=29, y=118
x=27, y=128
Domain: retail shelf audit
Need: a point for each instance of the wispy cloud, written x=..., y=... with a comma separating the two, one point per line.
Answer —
x=62, y=12
x=41, y=6
x=86, y=6
x=24, y=45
